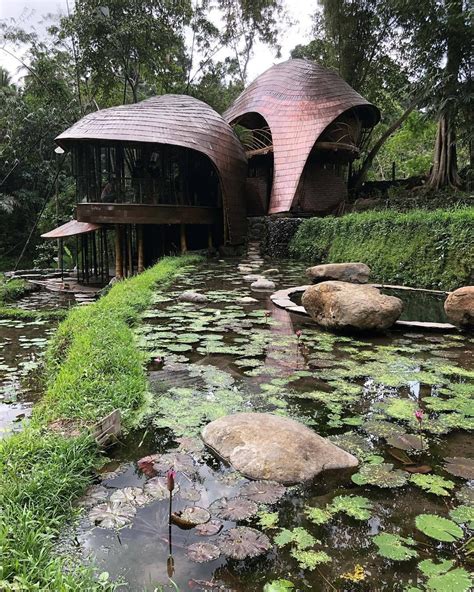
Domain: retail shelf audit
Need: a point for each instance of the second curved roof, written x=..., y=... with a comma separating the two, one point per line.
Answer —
x=298, y=99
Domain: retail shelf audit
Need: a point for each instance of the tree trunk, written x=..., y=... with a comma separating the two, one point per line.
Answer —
x=444, y=172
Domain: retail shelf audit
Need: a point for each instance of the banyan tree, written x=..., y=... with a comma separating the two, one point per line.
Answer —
x=301, y=126
x=165, y=174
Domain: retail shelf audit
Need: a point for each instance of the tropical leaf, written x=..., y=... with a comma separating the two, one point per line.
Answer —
x=438, y=528
x=433, y=483
x=395, y=547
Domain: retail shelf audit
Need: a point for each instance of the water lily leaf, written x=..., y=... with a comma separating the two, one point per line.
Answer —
x=356, y=506
x=203, y=552
x=430, y=568
x=456, y=580
x=268, y=520
x=94, y=495
x=243, y=542
x=318, y=515
x=310, y=559
x=298, y=536
x=190, y=495
x=237, y=508
x=190, y=517
x=175, y=460
x=278, y=586
x=407, y=442
x=157, y=488
x=130, y=495
x=400, y=455
x=192, y=445
x=264, y=492
x=422, y=469
x=433, y=484
x=146, y=463
x=209, y=528
x=438, y=528
x=463, y=515
x=112, y=515
x=394, y=547
x=381, y=475
x=460, y=467
x=465, y=495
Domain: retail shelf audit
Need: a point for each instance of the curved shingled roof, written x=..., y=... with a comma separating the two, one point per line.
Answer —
x=179, y=120
x=298, y=99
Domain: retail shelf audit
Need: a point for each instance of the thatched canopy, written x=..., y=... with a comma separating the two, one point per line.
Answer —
x=176, y=120
x=297, y=100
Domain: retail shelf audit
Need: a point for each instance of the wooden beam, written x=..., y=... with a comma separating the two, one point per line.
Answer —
x=118, y=252
x=184, y=246
x=140, y=256
x=112, y=213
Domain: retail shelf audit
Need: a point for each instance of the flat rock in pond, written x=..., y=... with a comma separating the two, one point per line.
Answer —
x=341, y=305
x=270, y=447
x=262, y=284
x=191, y=296
x=247, y=300
x=459, y=307
x=252, y=277
x=357, y=273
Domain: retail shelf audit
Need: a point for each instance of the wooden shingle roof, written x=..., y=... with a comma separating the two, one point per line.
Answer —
x=298, y=99
x=178, y=120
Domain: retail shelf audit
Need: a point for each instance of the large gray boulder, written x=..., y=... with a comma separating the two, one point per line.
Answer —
x=459, y=307
x=340, y=305
x=266, y=446
x=357, y=273
x=192, y=296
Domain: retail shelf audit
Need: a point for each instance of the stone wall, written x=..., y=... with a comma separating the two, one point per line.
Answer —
x=273, y=233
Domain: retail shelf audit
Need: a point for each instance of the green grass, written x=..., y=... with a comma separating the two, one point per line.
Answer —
x=430, y=249
x=11, y=290
x=92, y=367
x=21, y=314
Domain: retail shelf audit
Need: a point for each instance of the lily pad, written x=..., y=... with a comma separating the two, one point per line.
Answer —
x=243, y=542
x=438, y=528
x=460, y=467
x=463, y=515
x=433, y=484
x=194, y=515
x=157, y=488
x=177, y=461
x=298, y=536
x=130, y=495
x=264, y=492
x=146, y=463
x=112, y=515
x=408, y=442
x=236, y=508
x=310, y=559
x=209, y=528
x=190, y=495
x=465, y=495
x=203, y=552
x=381, y=475
x=395, y=547
x=94, y=495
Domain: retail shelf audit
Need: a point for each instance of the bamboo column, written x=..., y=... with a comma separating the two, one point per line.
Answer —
x=140, y=255
x=184, y=246
x=118, y=252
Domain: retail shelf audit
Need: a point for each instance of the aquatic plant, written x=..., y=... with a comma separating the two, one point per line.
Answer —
x=237, y=508
x=112, y=514
x=460, y=467
x=394, y=546
x=380, y=475
x=264, y=492
x=278, y=586
x=433, y=484
x=463, y=515
x=298, y=536
x=310, y=559
x=242, y=542
x=355, y=506
x=438, y=528
x=268, y=520
x=444, y=577
x=203, y=552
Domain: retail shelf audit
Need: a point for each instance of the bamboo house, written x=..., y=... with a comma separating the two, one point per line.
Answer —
x=169, y=173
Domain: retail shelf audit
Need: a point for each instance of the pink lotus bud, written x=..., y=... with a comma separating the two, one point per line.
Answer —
x=299, y=333
x=419, y=415
x=170, y=477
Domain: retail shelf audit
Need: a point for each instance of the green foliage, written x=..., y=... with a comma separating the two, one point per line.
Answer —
x=42, y=473
x=395, y=547
x=418, y=248
x=11, y=290
x=380, y=475
x=441, y=578
x=355, y=506
x=438, y=528
x=298, y=536
x=310, y=559
x=433, y=483
x=268, y=520
x=463, y=515
x=278, y=586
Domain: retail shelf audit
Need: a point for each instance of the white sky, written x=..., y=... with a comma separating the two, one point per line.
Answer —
x=29, y=14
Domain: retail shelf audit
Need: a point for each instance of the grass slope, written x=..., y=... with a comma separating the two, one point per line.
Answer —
x=92, y=368
x=419, y=248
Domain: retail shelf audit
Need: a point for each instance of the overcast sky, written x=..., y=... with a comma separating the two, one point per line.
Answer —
x=29, y=14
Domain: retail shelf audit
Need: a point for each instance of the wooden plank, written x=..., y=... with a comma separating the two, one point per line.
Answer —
x=111, y=213
x=108, y=429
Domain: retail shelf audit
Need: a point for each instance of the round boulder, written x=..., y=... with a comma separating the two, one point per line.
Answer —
x=459, y=307
x=357, y=273
x=192, y=296
x=266, y=446
x=262, y=284
x=340, y=305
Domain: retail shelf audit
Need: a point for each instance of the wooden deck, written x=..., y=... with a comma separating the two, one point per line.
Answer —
x=121, y=213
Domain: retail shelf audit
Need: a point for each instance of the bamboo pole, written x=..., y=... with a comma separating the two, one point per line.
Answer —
x=140, y=264
x=184, y=247
x=118, y=252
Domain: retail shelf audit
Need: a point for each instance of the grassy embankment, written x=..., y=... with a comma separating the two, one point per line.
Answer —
x=429, y=249
x=93, y=367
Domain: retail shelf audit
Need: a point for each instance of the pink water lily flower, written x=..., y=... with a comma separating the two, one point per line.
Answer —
x=419, y=415
x=170, y=477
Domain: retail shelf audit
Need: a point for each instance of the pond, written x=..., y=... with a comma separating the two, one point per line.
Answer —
x=22, y=344
x=365, y=529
